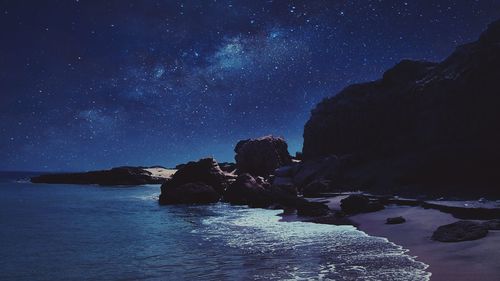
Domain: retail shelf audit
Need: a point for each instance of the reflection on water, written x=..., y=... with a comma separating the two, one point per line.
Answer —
x=71, y=232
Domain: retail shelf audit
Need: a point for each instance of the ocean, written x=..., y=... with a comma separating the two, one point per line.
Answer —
x=75, y=232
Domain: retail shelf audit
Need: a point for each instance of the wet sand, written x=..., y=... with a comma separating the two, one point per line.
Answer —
x=468, y=260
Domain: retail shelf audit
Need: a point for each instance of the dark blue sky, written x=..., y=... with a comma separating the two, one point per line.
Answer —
x=95, y=84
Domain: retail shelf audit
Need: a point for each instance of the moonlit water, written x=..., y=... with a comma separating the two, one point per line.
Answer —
x=72, y=232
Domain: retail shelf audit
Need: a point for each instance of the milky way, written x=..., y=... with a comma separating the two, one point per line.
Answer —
x=96, y=84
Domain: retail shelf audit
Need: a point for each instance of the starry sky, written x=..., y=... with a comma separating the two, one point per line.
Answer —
x=95, y=84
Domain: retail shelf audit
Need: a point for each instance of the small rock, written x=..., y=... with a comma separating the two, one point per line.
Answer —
x=395, y=220
x=261, y=156
x=247, y=190
x=460, y=231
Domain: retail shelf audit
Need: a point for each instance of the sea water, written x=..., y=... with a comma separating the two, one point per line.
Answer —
x=75, y=232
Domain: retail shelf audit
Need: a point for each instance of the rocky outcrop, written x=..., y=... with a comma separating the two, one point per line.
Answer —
x=460, y=231
x=312, y=209
x=395, y=220
x=337, y=218
x=257, y=192
x=227, y=167
x=317, y=189
x=247, y=190
x=189, y=193
x=205, y=171
x=423, y=128
x=261, y=156
x=492, y=224
x=359, y=203
x=115, y=176
x=464, y=213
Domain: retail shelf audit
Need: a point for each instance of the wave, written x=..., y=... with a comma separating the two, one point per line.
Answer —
x=304, y=251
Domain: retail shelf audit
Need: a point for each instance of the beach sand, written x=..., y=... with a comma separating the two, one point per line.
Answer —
x=161, y=172
x=468, y=260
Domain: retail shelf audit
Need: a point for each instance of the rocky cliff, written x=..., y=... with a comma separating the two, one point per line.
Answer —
x=425, y=123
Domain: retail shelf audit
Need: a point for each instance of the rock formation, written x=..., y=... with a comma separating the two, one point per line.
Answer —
x=205, y=172
x=492, y=224
x=317, y=189
x=423, y=128
x=247, y=190
x=313, y=209
x=395, y=220
x=115, y=176
x=261, y=156
x=460, y=231
x=358, y=203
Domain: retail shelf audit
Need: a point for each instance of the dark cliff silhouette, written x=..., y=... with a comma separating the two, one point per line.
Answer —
x=422, y=126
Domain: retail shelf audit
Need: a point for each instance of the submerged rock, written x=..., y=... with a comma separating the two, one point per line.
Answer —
x=261, y=156
x=460, y=231
x=395, y=220
x=115, y=176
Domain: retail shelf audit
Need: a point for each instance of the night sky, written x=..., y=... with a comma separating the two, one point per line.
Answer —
x=96, y=84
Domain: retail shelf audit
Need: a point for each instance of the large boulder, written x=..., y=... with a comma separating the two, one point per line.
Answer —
x=205, y=171
x=460, y=231
x=247, y=190
x=427, y=127
x=359, y=203
x=312, y=209
x=261, y=156
x=189, y=193
x=115, y=176
x=325, y=168
x=317, y=189
x=257, y=192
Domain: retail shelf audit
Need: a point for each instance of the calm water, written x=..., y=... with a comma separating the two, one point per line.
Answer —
x=72, y=232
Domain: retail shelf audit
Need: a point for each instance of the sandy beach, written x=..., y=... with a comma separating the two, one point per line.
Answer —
x=469, y=260
x=161, y=172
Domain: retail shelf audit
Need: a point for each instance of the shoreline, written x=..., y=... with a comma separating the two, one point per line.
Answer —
x=460, y=261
